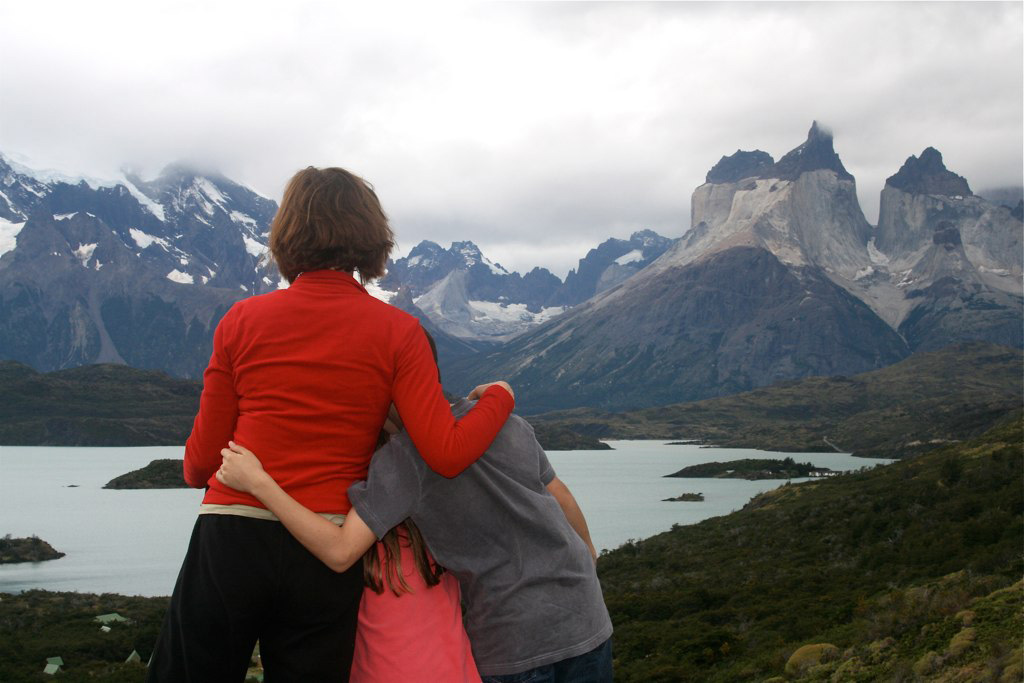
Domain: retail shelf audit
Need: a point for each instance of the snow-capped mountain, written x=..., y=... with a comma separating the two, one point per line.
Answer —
x=125, y=270
x=472, y=298
x=140, y=271
x=779, y=277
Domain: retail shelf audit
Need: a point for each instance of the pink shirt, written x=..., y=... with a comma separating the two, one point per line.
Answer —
x=414, y=636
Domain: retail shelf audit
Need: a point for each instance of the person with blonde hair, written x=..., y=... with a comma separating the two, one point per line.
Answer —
x=305, y=375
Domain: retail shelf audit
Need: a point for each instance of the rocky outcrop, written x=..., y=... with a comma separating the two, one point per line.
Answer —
x=955, y=257
x=928, y=175
x=34, y=549
x=167, y=473
x=815, y=154
x=739, y=166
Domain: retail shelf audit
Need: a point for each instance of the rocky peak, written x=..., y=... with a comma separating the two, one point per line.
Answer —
x=469, y=252
x=740, y=165
x=814, y=154
x=928, y=175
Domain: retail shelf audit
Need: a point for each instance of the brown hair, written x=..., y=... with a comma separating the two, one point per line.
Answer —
x=330, y=218
x=390, y=576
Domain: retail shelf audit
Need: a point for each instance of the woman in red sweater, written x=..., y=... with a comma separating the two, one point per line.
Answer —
x=304, y=376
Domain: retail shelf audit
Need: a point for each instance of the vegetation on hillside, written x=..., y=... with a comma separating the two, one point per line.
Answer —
x=924, y=402
x=116, y=405
x=166, y=473
x=94, y=405
x=899, y=573
x=557, y=438
x=752, y=469
x=32, y=549
x=35, y=625
x=910, y=571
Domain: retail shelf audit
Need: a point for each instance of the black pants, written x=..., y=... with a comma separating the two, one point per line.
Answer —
x=245, y=579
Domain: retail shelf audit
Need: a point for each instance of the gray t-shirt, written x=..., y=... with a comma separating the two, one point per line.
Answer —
x=529, y=582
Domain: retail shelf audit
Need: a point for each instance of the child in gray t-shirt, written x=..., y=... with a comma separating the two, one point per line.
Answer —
x=506, y=527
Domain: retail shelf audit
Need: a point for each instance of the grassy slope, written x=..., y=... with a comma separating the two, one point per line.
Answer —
x=851, y=561
x=907, y=408
x=95, y=405
x=907, y=569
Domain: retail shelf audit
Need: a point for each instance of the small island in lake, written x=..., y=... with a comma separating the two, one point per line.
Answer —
x=557, y=438
x=685, y=497
x=32, y=549
x=159, y=474
x=753, y=469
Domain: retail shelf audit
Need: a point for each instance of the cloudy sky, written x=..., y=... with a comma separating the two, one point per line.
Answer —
x=536, y=130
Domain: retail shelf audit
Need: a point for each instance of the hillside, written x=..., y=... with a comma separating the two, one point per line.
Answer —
x=166, y=473
x=912, y=406
x=905, y=569
x=903, y=572
x=94, y=405
x=115, y=405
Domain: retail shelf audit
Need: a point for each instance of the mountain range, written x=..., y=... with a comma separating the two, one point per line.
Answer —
x=140, y=272
x=779, y=277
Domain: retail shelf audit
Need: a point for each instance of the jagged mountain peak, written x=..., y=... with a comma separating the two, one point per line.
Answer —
x=814, y=154
x=927, y=174
x=740, y=165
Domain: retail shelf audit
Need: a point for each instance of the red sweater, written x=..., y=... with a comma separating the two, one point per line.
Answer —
x=303, y=377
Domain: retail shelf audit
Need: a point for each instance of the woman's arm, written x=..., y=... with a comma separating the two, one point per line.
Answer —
x=218, y=412
x=572, y=511
x=337, y=547
x=447, y=445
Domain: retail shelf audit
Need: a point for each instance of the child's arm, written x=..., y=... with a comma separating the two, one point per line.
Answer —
x=337, y=547
x=572, y=511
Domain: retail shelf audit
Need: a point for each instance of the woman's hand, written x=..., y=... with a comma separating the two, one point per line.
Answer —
x=241, y=469
x=479, y=391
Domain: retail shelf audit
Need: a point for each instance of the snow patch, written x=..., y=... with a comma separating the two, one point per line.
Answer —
x=877, y=257
x=492, y=311
x=145, y=201
x=495, y=267
x=64, y=216
x=413, y=261
x=631, y=257
x=9, y=235
x=84, y=253
x=378, y=292
x=10, y=204
x=255, y=248
x=178, y=276
x=211, y=191
x=863, y=273
x=994, y=271
x=244, y=219
x=143, y=240
x=282, y=283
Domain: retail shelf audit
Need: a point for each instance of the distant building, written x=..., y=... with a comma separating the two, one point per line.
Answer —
x=133, y=657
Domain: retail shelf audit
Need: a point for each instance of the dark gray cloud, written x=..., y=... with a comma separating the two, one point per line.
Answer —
x=536, y=130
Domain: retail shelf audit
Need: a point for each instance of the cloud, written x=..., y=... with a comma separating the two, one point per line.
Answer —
x=532, y=128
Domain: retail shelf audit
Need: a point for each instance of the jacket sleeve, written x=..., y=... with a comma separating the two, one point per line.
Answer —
x=214, y=425
x=447, y=445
